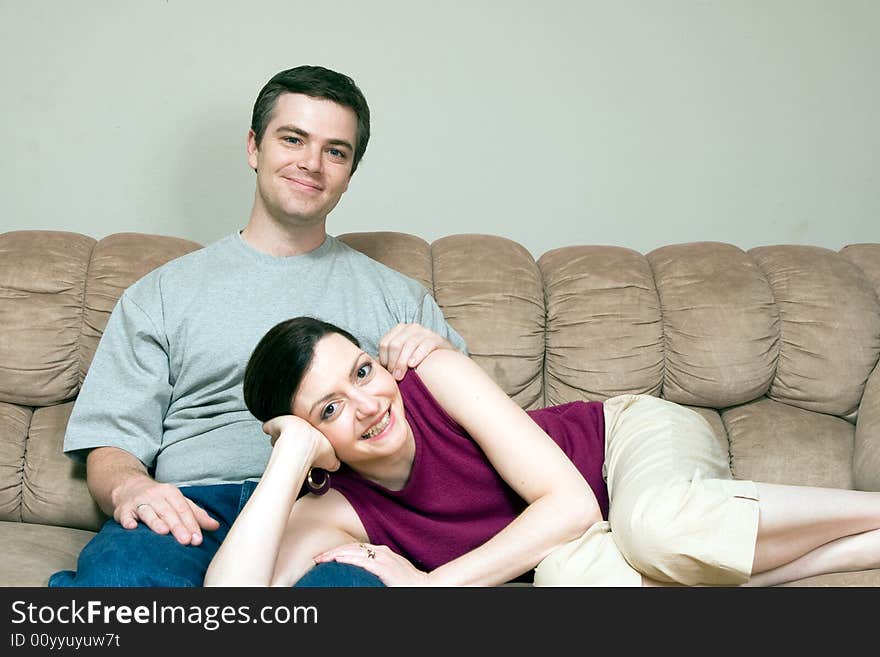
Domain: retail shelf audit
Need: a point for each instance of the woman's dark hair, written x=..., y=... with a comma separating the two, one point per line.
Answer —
x=280, y=361
x=317, y=82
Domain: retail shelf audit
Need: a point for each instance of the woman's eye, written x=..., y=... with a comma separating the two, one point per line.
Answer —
x=328, y=411
x=364, y=370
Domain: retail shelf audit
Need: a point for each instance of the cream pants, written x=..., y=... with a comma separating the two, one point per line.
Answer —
x=676, y=514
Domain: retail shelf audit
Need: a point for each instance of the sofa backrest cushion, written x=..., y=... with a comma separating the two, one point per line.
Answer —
x=56, y=293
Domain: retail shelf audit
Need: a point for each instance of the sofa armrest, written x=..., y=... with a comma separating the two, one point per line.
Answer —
x=866, y=453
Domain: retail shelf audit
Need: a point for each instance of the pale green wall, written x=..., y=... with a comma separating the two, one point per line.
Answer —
x=551, y=123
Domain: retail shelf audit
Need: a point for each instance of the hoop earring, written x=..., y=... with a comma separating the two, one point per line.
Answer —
x=320, y=487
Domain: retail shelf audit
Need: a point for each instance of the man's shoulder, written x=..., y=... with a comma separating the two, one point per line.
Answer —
x=177, y=271
x=368, y=265
x=192, y=261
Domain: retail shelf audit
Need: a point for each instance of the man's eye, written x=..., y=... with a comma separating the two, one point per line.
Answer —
x=292, y=140
x=328, y=411
x=364, y=370
x=335, y=152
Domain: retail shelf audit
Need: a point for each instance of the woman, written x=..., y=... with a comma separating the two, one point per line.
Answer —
x=443, y=480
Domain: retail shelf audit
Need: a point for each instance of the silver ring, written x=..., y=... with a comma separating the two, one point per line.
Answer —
x=140, y=505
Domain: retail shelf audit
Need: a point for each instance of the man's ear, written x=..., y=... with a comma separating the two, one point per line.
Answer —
x=253, y=150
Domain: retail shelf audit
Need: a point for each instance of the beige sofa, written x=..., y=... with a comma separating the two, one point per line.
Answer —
x=777, y=347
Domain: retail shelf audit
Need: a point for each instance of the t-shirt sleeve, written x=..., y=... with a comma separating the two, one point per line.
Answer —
x=430, y=316
x=126, y=391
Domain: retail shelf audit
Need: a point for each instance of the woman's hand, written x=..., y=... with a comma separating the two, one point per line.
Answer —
x=391, y=568
x=406, y=346
x=289, y=428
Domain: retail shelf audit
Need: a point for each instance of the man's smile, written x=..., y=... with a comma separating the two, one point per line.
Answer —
x=306, y=185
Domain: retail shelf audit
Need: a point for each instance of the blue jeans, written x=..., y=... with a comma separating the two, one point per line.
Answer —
x=140, y=557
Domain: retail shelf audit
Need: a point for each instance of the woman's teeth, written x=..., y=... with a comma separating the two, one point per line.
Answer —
x=378, y=428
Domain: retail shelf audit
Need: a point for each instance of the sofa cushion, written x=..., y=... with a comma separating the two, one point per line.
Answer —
x=31, y=553
x=720, y=324
x=829, y=328
x=14, y=424
x=38, y=483
x=866, y=452
x=491, y=292
x=42, y=283
x=867, y=258
x=778, y=443
x=57, y=290
x=54, y=489
x=604, y=328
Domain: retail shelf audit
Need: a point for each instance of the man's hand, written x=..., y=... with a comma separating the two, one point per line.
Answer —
x=406, y=345
x=162, y=508
x=121, y=486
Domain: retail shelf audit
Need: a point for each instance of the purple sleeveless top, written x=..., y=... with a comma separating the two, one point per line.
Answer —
x=454, y=500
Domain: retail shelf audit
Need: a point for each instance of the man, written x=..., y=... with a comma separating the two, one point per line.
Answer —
x=171, y=451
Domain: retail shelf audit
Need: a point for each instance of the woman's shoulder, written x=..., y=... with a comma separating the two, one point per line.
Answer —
x=421, y=390
x=446, y=373
x=460, y=386
x=439, y=365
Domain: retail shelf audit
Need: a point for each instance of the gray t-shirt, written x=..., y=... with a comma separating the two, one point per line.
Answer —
x=166, y=381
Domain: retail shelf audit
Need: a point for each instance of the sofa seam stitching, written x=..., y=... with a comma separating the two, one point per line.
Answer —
x=82, y=321
x=546, y=336
x=433, y=283
x=726, y=426
x=861, y=272
x=24, y=451
x=663, y=339
x=778, y=319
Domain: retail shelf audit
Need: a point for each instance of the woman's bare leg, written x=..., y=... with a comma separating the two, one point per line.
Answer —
x=797, y=520
x=856, y=552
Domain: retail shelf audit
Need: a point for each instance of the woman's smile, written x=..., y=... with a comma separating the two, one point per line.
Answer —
x=379, y=429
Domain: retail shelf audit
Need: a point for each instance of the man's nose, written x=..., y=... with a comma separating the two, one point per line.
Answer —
x=311, y=160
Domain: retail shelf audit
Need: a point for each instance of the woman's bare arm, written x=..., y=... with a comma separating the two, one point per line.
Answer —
x=275, y=536
x=561, y=505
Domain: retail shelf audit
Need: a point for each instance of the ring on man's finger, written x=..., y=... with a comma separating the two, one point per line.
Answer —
x=138, y=507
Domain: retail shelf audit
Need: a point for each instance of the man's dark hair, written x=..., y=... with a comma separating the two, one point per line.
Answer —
x=317, y=82
x=280, y=361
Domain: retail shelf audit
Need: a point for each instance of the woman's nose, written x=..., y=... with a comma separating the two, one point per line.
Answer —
x=366, y=405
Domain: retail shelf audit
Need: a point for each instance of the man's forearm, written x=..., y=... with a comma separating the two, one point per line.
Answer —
x=107, y=469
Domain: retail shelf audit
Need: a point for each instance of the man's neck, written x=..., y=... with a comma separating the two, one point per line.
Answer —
x=279, y=240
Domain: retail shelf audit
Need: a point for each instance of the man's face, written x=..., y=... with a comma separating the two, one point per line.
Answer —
x=303, y=162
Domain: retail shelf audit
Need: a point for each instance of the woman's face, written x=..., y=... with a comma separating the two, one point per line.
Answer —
x=353, y=401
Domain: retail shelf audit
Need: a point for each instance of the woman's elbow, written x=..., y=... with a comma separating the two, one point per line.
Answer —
x=580, y=513
x=218, y=576
x=585, y=520
x=212, y=579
